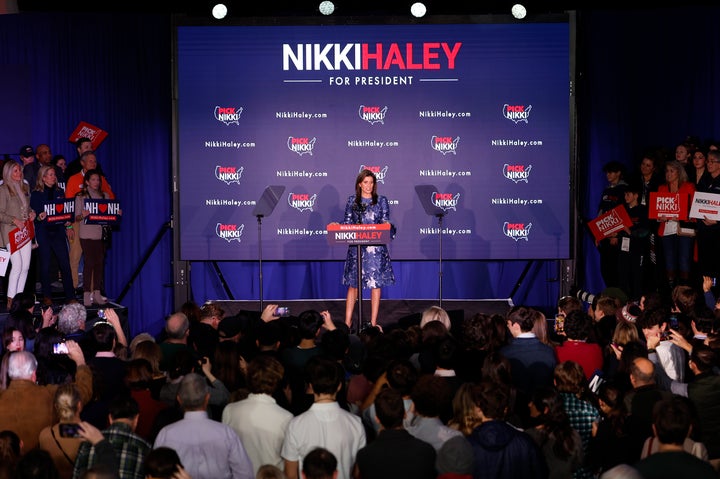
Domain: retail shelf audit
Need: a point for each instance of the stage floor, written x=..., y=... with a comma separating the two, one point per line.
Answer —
x=392, y=311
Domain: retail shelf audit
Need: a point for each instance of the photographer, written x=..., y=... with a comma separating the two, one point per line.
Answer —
x=186, y=364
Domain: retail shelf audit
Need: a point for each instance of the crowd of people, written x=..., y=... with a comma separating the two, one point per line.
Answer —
x=608, y=388
x=625, y=383
x=60, y=249
x=661, y=251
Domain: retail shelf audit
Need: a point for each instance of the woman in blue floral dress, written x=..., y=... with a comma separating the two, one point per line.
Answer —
x=367, y=207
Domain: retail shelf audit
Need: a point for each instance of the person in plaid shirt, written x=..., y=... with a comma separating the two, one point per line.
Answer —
x=130, y=448
x=572, y=386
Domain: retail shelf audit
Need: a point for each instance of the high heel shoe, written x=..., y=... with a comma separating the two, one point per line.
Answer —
x=99, y=298
x=87, y=299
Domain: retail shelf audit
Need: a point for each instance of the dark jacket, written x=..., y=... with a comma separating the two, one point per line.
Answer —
x=503, y=452
x=704, y=392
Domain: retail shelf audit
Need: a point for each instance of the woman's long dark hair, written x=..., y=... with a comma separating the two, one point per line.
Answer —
x=555, y=421
x=358, y=191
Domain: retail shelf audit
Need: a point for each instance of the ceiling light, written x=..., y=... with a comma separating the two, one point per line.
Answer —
x=219, y=11
x=326, y=7
x=518, y=11
x=418, y=9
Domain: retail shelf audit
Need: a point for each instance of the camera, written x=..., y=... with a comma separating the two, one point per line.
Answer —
x=559, y=323
x=60, y=348
x=101, y=313
x=69, y=429
x=282, y=311
x=673, y=323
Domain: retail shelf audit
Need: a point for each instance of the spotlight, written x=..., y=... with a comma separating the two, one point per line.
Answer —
x=219, y=11
x=418, y=9
x=518, y=11
x=326, y=7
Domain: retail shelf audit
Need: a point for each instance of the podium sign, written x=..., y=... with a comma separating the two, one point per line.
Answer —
x=358, y=234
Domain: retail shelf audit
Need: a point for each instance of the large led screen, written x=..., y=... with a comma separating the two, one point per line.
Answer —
x=466, y=126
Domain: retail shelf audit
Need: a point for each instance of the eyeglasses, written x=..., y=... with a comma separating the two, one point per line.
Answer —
x=713, y=161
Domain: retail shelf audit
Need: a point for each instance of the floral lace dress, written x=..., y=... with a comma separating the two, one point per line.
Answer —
x=376, y=265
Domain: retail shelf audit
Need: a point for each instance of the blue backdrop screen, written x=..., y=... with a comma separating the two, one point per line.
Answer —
x=476, y=114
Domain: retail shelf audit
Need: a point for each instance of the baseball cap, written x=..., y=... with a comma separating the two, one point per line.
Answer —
x=27, y=151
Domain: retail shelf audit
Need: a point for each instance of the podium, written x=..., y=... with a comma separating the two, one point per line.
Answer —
x=359, y=235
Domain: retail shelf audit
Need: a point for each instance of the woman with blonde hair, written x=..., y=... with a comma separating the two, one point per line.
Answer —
x=466, y=415
x=14, y=212
x=435, y=313
x=51, y=235
x=677, y=237
x=63, y=449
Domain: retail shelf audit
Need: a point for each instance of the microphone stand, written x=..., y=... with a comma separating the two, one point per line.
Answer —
x=260, y=274
x=359, y=210
x=440, y=270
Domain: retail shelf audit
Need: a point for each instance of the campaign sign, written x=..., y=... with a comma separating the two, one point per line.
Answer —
x=86, y=130
x=102, y=212
x=668, y=206
x=21, y=237
x=60, y=210
x=611, y=222
x=358, y=233
x=705, y=206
